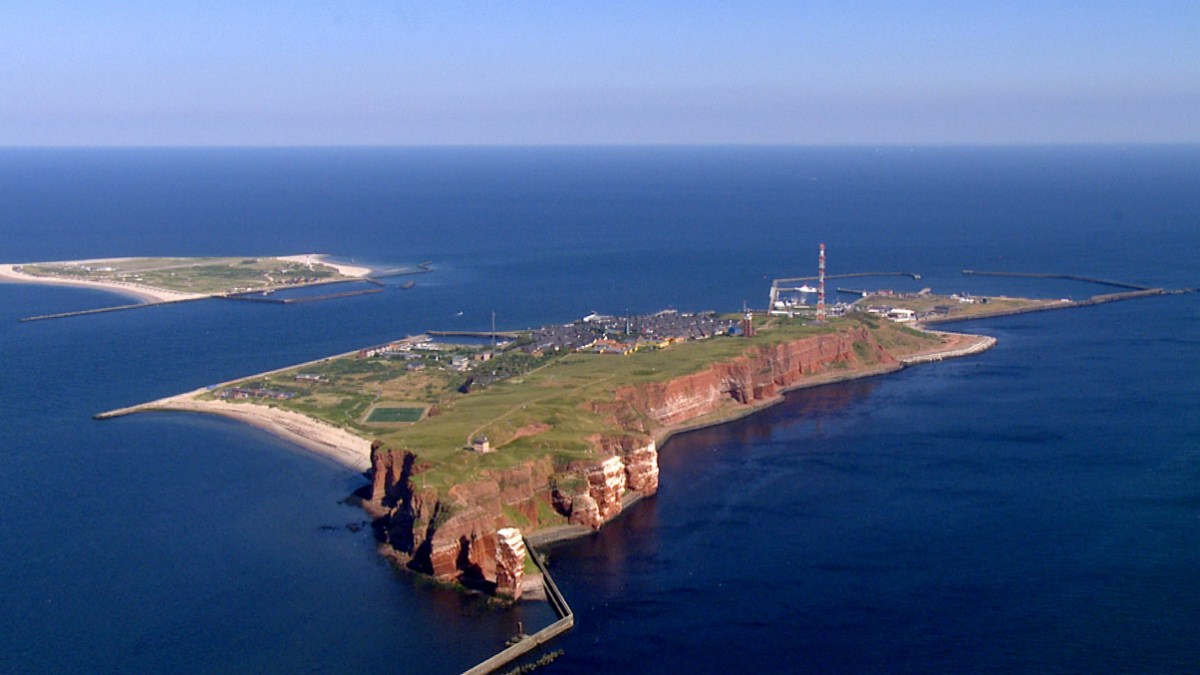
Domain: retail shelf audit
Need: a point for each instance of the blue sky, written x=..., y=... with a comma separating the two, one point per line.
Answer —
x=370, y=72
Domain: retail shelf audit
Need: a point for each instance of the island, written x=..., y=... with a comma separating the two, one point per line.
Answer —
x=175, y=279
x=474, y=443
x=156, y=281
x=479, y=445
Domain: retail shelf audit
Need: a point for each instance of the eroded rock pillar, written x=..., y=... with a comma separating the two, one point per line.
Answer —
x=510, y=562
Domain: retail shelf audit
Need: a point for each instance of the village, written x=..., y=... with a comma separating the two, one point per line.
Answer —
x=510, y=354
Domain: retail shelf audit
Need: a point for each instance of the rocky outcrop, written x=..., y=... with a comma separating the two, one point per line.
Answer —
x=451, y=537
x=585, y=511
x=606, y=484
x=639, y=457
x=641, y=468
x=510, y=562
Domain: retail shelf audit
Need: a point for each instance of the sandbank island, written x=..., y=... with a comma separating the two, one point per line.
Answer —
x=154, y=281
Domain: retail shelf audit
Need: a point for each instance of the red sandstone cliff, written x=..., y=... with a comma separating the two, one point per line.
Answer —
x=758, y=376
x=454, y=536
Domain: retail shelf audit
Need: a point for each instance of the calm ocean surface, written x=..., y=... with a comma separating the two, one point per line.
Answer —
x=1035, y=508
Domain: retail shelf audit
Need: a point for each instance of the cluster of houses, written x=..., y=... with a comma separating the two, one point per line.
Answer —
x=595, y=333
x=601, y=334
x=416, y=350
x=235, y=393
x=293, y=281
x=902, y=315
x=408, y=348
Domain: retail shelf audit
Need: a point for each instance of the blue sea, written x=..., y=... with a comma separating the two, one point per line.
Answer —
x=1035, y=508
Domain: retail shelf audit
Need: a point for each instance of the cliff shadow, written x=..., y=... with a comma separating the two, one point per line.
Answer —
x=470, y=573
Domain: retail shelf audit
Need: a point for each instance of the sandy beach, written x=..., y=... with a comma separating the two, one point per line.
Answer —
x=322, y=258
x=147, y=294
x=343, y=447
x=151, y=294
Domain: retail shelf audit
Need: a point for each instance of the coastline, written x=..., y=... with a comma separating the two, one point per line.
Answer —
x=350, y=451
x=975, y=344
x=146, y=294
x=343, y=269
x=150, y=295
x=354, y=452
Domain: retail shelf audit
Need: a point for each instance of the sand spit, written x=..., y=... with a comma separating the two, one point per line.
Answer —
x=147, y=294
x=343, y=447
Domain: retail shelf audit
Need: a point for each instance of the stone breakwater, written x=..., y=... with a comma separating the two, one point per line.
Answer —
x=984, y=343
x=455, y=535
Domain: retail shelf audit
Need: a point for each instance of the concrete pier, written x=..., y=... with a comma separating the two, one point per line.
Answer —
x=851, y=275
x=1068, y=277
x=102, y=310
x=530, y=642
x=260, y=296
x=422, y=268
x=506, y=335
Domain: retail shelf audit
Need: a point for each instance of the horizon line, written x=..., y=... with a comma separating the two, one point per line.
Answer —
x=401, y=146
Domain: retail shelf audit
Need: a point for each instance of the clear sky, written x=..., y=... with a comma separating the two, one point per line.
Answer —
x=370, y=72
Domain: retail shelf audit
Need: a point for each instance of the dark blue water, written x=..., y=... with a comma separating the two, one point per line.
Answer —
x=1033, y=508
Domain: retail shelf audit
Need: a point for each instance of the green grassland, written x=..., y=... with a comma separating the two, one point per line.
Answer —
x=381, y=414
x=542, y=411
x=192, y=275
x=925, y=303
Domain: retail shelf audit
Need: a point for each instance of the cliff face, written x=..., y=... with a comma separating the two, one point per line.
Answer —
x=455, y=536
x=750, y=379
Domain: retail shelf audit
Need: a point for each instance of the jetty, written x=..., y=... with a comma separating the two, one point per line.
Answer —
x=1068, y=277
x=850, y=275
x=267, y=296
x=527, y=643
x=422, y=268
x=504, y=335
x=102, y=310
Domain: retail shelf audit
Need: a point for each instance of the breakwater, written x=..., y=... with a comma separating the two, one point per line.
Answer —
x=851, y=275
x=1067, y=277
x=527, y=643
x=266, y=296
x=1064, y=304
x=508, y=335
x=422, y=268
x=102, y=310
x=981, y=346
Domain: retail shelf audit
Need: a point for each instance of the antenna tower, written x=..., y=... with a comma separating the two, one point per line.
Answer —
x=821, y=285
x=747, y=321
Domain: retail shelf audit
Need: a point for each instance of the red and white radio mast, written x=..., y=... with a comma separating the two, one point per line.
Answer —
x=821, y=285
